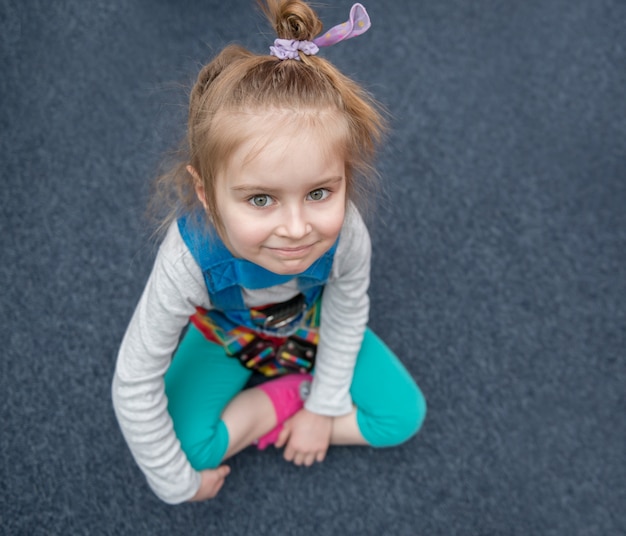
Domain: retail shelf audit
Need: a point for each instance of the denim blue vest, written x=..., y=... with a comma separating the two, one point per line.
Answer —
x=225, y=275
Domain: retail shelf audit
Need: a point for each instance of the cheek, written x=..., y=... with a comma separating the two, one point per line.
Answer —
x=245, y=232
x=330, y=224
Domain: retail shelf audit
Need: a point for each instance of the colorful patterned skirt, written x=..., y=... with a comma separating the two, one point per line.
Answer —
x=258, y=351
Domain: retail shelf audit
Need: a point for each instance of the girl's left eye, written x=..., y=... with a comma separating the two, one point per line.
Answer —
x=319, y=194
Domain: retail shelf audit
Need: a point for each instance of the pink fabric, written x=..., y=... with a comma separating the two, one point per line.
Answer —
x=287, y=396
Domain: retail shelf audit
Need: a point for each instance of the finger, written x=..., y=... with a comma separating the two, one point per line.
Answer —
x=309, y=459
x=289, y=453
x=220, y=477
x=211, y=483
x=320, y=456
x=282, y=437
x=223, y=471
x=216, y=488
x=299, y=458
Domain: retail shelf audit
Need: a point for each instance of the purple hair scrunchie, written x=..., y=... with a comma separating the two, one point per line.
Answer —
x=287, y=49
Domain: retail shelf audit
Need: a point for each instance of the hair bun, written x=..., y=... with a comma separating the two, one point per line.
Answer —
x=292, y=19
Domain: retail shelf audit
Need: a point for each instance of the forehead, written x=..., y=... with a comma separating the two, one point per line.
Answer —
x=252, y=132
x=286, y=153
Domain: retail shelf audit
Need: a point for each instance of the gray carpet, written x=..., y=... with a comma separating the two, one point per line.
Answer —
x=499, y=266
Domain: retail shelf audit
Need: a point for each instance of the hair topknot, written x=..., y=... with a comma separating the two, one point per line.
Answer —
x=292, y=19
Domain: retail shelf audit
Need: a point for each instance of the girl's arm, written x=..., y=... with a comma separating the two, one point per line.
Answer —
x=139, y=400
x=345, y=311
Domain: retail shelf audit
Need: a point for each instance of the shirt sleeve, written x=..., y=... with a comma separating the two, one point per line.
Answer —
x=174, y=288
x=345, y=312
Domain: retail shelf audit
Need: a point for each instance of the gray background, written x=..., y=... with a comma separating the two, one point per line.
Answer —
x=499, y=272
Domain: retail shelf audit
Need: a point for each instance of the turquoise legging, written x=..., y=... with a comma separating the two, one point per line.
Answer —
x=202, y=380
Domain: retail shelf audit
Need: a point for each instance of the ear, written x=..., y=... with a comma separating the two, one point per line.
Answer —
x=198, y=185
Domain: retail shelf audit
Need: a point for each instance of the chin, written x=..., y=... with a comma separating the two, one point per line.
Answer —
x=292, y=267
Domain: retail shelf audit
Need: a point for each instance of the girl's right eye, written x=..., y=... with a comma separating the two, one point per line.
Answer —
x=260, y=201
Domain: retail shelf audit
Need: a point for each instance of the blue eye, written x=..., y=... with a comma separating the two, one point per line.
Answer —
x=319, y=194
x=260, y=201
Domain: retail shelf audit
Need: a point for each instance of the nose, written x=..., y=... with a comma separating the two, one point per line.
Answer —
x=294, y=224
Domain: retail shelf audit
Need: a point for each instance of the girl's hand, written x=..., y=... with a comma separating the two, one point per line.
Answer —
x=211, y=483
x=307, y=436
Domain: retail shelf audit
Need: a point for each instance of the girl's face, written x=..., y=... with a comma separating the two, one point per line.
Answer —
x=282, y=196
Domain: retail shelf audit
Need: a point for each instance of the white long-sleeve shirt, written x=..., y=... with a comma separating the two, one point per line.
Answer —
x=173, y=291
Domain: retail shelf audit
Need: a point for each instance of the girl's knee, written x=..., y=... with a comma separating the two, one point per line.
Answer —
x=398, y=423
x=411, y=416
x=417, y=413
x=204, y=451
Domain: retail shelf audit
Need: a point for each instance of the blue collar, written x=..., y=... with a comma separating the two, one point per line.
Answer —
x=227, y=270
x=222, y=270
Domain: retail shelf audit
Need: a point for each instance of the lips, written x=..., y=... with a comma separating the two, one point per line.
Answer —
x=292, y=251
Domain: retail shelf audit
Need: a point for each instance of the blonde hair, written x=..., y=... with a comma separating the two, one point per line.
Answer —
x=237, y=81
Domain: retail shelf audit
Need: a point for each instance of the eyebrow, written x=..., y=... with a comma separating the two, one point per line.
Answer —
x=260, y=188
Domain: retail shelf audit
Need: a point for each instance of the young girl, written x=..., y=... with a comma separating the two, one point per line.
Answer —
x=267, y=262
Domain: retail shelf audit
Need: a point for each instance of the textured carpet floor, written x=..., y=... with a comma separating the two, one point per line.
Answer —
x=499, y=270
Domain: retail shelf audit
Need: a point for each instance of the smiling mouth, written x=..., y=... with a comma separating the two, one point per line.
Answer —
x=292, y=252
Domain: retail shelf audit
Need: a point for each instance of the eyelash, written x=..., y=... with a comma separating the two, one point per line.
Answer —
x=325, y=192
